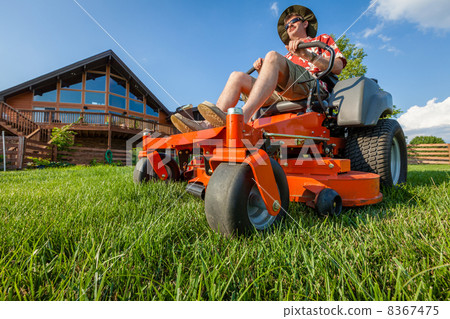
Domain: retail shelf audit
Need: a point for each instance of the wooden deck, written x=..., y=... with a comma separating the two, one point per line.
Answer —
x=96, y=122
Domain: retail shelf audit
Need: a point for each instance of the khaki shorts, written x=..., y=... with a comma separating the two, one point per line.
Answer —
x=293, y=91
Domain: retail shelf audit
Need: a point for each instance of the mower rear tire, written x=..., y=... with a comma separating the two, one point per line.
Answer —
x=379, y=149
x=143, y=171
x=233, y=203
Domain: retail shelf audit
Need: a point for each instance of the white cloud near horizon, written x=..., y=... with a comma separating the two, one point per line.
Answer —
x=431, y=119
x=425, y=13
x=274, y=8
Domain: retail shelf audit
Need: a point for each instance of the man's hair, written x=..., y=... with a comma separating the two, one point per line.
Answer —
x=289, y=16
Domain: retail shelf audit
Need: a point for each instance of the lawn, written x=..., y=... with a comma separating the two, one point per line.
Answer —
x=91, y=234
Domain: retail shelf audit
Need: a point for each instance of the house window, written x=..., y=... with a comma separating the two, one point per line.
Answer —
x=136, y=103
x=149, y=110
x=136, y=94
x=136, y=106
x=47, y=94
x=117, y=86
x=94, y=98
x=73, y=82
x=69, y=96
x=117, y=101
x=95, y=82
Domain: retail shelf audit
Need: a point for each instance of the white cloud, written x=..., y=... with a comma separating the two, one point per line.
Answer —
x=361, y=45
x=274, y=8
x=425, y=13
x=384, y=38
x=390, y=48
x=369, y=32
x=431, y=119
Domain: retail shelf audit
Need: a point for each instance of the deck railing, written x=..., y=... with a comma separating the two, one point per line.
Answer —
x=18, y=121
x=54, y=118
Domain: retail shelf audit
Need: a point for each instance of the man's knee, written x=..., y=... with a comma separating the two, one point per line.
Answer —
x=273, y=56
x=239, y=77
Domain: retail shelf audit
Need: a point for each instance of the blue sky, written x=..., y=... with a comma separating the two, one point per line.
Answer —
x=190, y=47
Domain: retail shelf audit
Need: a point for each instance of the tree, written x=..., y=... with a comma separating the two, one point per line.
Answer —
x=354, y=57
x=427, y=140
x=355, y=66
x=63, y=138
x=395, y=112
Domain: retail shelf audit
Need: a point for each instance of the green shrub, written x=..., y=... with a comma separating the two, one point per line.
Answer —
x=43, y=163
x=63, y=138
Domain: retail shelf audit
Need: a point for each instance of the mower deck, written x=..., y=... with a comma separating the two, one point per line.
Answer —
x=200, y=153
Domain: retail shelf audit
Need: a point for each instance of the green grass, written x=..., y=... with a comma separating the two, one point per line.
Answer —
x=91, y=234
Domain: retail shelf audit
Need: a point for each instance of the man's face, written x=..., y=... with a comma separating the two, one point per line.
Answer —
x=296, y=29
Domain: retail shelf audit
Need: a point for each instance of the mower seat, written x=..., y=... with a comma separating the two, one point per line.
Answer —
x=281, y=107
x=295, y=106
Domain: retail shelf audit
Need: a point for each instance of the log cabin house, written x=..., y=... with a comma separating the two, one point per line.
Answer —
x=100, y=94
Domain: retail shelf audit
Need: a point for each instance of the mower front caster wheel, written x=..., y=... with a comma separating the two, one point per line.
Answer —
x=328, y=203
x=143, y=171
x=233, y=203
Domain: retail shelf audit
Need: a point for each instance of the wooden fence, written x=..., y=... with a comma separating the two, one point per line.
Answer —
x=19, y=150
x=429, y=154
x=87, y=156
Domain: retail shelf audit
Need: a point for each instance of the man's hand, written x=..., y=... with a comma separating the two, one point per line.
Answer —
x=258, y=64
x=292, y=48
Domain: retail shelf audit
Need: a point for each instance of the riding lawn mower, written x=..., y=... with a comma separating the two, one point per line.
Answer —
x=327, y=153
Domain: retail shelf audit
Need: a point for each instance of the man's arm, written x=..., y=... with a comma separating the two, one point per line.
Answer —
x=322, y=62
x=318, y=60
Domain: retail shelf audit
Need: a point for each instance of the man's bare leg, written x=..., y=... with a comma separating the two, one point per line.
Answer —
x=274, y=71
x=237, y=82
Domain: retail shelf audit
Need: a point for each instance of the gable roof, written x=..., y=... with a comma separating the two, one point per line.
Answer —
x=80, y=66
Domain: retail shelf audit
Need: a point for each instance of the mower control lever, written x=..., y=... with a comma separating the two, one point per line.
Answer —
x=323, y=46
x=251, y=71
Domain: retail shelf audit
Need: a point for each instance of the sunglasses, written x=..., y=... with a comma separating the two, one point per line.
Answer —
x=292, y=22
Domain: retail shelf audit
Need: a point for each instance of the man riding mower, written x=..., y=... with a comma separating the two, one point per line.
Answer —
x=301, y=136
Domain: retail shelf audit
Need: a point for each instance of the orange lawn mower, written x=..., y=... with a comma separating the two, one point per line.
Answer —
x=326, y=153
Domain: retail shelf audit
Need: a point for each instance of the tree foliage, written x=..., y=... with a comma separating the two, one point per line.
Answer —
x=354, y=56
x=427, y=140
x=395, y=112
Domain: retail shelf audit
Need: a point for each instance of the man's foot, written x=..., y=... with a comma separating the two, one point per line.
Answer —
x=185, y=125
x=212, y=114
